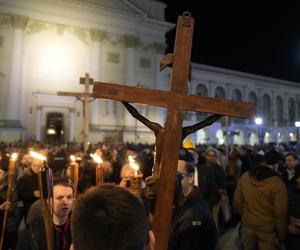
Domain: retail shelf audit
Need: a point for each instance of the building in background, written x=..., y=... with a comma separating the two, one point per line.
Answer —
x=46, y=46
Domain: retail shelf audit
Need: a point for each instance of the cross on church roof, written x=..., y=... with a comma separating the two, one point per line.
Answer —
x=176, y=101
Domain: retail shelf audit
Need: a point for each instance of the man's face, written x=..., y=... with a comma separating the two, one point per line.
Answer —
x=35, y=166
x=62, y=202
x=187, y=179
x=211, y=157
x=290, y=162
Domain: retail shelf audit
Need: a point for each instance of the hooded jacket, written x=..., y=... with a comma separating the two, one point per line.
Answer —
x=262, y=201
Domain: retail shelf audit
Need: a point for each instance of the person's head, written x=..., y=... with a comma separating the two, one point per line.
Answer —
x=36, y=165
x=109, y=217
x=126, y=171
x=211, y=156
x=62, y=198
x=185, y=171
x=191, y=147
x=291, y=160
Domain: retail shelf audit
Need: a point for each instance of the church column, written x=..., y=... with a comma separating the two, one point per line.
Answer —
x=160, y=76
x=72, y=124
x=97, y=37
x=15, y=75
x=131, y=42
x=38, y=123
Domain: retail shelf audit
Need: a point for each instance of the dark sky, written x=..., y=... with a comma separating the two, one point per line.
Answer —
x=262, y=41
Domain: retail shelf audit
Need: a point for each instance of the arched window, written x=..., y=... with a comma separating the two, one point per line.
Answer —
x=220, y=93
x=201, y=90
x=266, y=108
x=279, y=110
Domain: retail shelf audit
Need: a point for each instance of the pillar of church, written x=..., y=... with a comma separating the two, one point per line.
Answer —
x=15, y=75
x=96, y=106
x=72, y=124
x=38, y=123
x=131, y=42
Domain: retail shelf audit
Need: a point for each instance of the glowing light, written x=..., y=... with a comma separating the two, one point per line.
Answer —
x=297, y=124
x=267, y=134
x=133, y=164
x=258, y=121
x=96, y=158
x=51, y=131
x=291, y=134
x=37, y=156
x=14, y=156
x=72, y=158
x=55, y=57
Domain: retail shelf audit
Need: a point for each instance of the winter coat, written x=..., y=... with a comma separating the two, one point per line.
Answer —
x=262, y=201
x=193, y=226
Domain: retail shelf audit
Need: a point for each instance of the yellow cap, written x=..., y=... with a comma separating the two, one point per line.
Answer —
x=188, y=144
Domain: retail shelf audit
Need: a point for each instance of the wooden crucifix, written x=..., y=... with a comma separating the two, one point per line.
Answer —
x=84, y=97
x=176, y=101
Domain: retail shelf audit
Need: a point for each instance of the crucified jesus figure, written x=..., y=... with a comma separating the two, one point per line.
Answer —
x=160, y=130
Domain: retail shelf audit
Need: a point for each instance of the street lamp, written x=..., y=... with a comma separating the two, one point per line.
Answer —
x=297, y=125
x=258, y=122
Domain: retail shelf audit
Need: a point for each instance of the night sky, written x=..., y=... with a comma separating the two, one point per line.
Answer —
x=261, y=41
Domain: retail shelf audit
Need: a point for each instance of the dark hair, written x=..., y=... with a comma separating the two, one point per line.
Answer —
x=291, y=154
x=109, y=217
x=62, y=181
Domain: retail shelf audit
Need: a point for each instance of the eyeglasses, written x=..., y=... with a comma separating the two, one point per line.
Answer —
x=181, y=176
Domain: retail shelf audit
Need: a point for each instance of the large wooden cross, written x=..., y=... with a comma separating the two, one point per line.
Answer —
x=176, y=101
x=85, y=98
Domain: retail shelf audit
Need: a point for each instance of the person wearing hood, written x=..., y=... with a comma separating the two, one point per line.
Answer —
x=261, y=200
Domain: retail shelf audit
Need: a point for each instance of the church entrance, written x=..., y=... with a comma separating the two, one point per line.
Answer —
x=55, y=128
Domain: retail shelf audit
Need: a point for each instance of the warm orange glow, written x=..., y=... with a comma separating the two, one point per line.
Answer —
x=133, y=164
x=37, y=156
x=72, y=158
x=96, y=158
x=14, y=156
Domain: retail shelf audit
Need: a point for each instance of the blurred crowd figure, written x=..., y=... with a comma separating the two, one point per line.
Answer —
x=254, y=188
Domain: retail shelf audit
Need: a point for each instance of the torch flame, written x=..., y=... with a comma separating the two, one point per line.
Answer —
x=132, y=163
x=96, y=158
x=72, y=158
x=14, y=156
x=37, y=156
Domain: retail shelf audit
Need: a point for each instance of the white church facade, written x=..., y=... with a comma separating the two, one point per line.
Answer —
x=46, y=46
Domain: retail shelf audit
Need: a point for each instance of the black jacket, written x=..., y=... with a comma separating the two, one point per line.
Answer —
x=193, y=226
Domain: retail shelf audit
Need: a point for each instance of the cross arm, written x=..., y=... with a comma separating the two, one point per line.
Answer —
x=121, y=92
x=218, y=106
x=124, y=93
x=79, y=94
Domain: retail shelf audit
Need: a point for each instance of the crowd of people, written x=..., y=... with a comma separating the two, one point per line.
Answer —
x=254, y=188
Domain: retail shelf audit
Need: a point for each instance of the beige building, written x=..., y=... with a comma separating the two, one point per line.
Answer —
x=47, y=45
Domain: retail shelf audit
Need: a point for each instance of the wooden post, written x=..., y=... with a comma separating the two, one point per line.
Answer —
x=86, y=95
